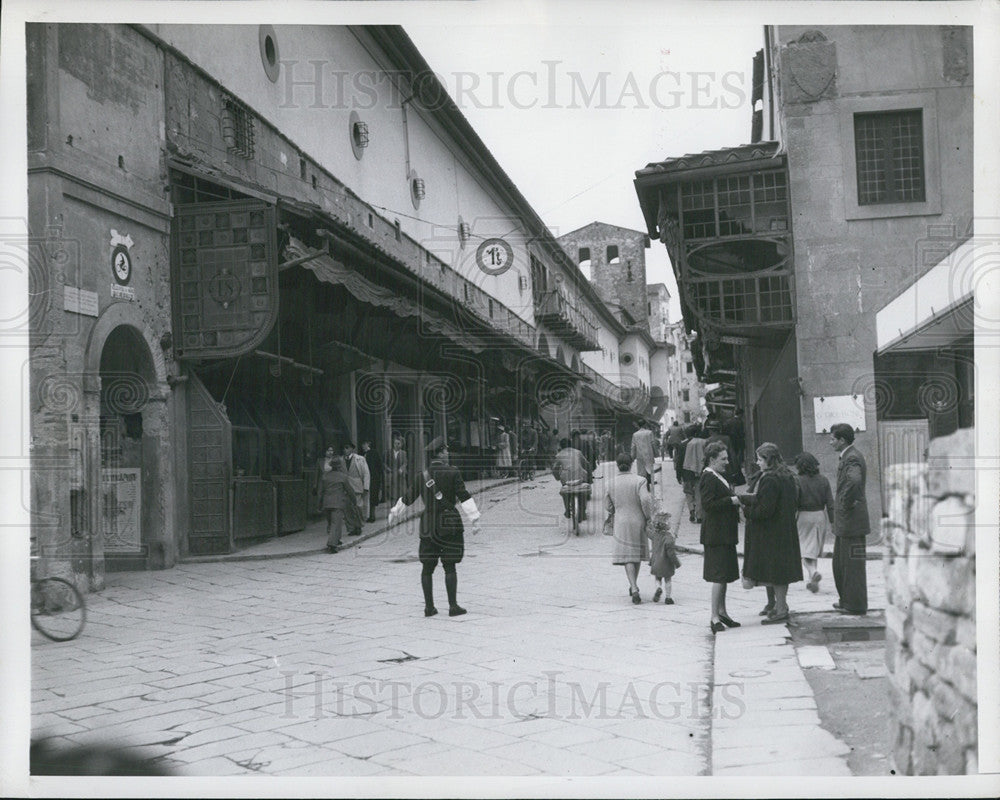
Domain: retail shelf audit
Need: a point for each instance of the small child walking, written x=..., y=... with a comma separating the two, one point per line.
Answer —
x=663, y=560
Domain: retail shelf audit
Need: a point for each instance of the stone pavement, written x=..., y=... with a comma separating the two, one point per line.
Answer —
x=325, y=665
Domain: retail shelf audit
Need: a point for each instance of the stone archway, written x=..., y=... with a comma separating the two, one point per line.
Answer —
x=130, y=467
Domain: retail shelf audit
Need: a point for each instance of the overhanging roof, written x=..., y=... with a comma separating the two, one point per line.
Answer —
x=729, y=160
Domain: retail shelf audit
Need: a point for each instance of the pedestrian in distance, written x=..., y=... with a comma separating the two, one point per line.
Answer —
x=674, y=437
x=663, y=560
x=529, y=448
x=644, y=452
x=504, y=461
x=336, y=495
x=442, y=533
x=719, y=533
x=850, y=524
x=771, y=555
x=396, y=466
x=694, y=462
x=374, y=462
x=685, y=478
x=629, y=501
x=815, y=517
x=357, y=473
x=322, y=466
x=570, y=467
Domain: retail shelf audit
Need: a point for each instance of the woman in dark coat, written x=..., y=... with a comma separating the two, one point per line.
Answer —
x=771, y=554
x=719, y=532
x=441, y=530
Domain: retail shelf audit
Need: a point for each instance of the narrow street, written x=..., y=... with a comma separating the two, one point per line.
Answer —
x=325, y=665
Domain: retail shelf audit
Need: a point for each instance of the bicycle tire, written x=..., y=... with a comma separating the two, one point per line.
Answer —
x=58, y=610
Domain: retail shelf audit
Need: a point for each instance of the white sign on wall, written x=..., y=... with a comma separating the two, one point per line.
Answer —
x=849, y=408
x=80, y=301
x=120, y=509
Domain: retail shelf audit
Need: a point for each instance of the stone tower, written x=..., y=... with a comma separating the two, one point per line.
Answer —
x=616, y=258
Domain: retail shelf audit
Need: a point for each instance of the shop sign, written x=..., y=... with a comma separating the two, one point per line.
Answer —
x=120, y=509
x=494, y=256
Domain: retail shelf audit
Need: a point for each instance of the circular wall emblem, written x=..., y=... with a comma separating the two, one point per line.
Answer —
x=121, y=264
x=495, y=256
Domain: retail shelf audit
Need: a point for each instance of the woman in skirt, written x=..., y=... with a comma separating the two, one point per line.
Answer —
x=719, y=532
x=815, y=502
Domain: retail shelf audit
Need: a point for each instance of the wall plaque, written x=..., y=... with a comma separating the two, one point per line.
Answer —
x=840, y=408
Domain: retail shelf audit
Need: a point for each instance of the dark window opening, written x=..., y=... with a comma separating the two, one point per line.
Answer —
x=889, y=148
x=613, y=254
x=237, y=127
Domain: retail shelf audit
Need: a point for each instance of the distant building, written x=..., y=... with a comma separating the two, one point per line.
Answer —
x=658, y=307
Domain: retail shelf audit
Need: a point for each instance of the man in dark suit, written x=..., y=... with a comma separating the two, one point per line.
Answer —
x=850, y=524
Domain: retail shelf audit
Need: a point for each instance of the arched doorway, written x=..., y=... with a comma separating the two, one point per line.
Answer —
x=130, y=508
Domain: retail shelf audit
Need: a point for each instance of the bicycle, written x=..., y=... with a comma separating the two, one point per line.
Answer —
x=58, y=610
x=526, y=467
x=575, y=489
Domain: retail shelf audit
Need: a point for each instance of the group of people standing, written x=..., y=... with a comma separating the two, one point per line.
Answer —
x=786, y=525
x=350, y=486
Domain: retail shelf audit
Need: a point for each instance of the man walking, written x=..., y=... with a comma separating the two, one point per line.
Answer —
x=850, y=524
x=644, y=452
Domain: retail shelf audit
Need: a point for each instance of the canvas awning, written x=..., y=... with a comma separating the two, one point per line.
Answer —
x=328, y=270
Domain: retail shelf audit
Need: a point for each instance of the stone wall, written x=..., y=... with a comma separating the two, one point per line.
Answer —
x=931, y=609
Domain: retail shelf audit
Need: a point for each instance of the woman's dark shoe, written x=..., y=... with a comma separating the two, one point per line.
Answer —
x=729, y=623
x=766, y=611
x=775, y=619
x=657, y=594
x=717, y=627
x=456, y=611
x=668, y=601
x=371, y=518
x=636, y=599
x=430, y=611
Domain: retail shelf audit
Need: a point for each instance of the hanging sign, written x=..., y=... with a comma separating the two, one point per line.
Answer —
x=495, y=256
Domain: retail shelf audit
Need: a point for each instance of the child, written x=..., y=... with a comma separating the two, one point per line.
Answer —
x=663, y=561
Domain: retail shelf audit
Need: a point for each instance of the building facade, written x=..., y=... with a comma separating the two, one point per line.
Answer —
x=786, y=248
x=245, y=258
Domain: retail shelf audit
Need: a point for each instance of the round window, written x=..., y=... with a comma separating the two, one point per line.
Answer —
x=268, y=41
x=626, y=359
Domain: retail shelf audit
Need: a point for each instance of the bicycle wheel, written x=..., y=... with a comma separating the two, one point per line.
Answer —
x=57, y=609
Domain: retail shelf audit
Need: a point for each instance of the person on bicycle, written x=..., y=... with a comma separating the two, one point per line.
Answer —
x=570, y=467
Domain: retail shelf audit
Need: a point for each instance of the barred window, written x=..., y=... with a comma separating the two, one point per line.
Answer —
x=890, y=157
x=237, y=127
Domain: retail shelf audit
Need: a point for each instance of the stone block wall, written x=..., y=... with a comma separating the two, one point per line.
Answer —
x=930, y=574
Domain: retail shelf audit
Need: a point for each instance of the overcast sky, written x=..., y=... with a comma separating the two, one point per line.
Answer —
x=571, y=112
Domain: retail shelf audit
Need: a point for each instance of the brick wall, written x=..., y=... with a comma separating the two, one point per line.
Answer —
x=931, y=609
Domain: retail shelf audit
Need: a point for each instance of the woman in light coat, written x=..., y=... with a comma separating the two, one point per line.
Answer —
x=629, y=500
